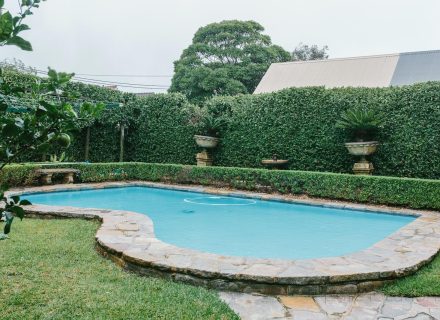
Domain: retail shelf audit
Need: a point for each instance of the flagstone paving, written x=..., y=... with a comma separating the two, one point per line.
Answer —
x=374, y=306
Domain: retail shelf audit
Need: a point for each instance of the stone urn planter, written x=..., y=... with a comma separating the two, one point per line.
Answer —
x=206, y=142
x=204, y=158
x=362, y=150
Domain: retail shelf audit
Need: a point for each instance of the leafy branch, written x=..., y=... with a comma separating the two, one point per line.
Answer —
x=11, y=26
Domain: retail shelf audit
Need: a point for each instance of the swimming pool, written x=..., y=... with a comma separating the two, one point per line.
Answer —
x=240, y=226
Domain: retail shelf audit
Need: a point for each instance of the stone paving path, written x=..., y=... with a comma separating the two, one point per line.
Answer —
x=348, y=307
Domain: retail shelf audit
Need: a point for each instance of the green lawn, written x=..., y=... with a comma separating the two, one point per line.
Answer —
x=425, y=282
x=50, y=270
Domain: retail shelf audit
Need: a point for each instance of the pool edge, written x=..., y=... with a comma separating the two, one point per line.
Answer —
x=128, y=239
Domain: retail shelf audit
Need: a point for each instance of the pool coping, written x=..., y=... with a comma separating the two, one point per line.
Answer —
x=128, y=239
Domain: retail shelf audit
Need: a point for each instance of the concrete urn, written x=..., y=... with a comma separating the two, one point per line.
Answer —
x=362, y=149
x=206, y=142
x=204, y=158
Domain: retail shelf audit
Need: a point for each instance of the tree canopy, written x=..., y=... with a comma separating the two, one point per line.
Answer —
x=225, y=58
x=304, y=52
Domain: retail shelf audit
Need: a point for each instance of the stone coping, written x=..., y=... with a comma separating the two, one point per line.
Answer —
x=128, y=238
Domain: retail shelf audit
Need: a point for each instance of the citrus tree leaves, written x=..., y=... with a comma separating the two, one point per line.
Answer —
x=11, y=26
x=20, y=42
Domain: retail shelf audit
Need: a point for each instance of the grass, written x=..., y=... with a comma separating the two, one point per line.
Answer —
x=50, y=270
x=425, y=282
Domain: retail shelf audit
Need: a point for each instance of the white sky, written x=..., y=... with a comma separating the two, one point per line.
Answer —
x=144, y=37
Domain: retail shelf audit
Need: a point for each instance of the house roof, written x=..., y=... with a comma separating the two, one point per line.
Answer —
x=369, y=71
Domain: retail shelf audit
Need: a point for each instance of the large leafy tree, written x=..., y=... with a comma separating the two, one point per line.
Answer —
x=45, y=123
x=225, y=58
x=304, y=52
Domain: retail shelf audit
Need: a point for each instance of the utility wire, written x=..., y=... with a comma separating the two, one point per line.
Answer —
x=117, y=82
x=121, y=84
x=126, y=75
x=107, y=82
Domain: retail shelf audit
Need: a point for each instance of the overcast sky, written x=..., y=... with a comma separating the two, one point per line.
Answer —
x=141, y=37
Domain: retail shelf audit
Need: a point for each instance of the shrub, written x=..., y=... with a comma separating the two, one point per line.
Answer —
x=19, y=174
x=361, y=124
x=405, y=192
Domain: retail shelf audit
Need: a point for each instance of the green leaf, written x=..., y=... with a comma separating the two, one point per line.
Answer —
x=20, y=28
x=6, y=26
x=20, y=42
x=9, y=218
x=40, y=111
x=19, y=211
x=25, y=202
x=7, y=228
x=2, y=3
x=10, y=130
x=3, y=105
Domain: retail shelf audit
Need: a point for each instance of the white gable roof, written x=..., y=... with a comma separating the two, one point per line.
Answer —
x=369, y=71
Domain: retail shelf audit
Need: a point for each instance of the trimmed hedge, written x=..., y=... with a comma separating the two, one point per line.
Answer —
x=17, y=175
x=405, y=192
x=297, y=124
x=158, y=130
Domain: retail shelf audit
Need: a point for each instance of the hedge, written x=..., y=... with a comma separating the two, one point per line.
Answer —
x=405, y=192
x=299, y=125
x=158, y=130
x=19, y=175
x=296, y=124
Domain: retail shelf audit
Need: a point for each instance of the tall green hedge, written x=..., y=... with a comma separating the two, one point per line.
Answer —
x=296, y=124
x=299, y=125
x=158, y=130
x=413, y=193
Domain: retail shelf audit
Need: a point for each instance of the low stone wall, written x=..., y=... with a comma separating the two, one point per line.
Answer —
x=128, y=239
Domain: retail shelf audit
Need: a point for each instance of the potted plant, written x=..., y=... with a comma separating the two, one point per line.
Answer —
x=362, y=126
x=207, y=126
x=208, y=130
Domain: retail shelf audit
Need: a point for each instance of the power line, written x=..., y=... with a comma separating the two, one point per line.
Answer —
x=126, y=75
x=108, y=82
x=121, y=84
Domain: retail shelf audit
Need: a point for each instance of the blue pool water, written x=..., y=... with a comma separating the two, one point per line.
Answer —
x=240, y=226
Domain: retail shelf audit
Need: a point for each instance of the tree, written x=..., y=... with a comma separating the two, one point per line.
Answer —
x=305, y=52
x=225, y=58
x=37, y=127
